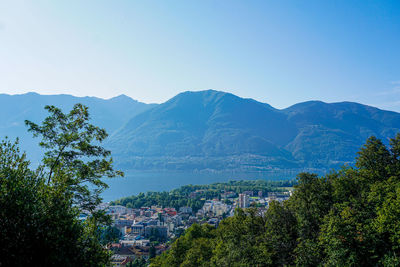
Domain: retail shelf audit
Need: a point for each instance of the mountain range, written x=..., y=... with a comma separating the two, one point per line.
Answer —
x=110, y=114
x=213, y=130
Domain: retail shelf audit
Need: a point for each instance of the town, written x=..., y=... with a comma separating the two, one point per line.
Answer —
x=147, y=231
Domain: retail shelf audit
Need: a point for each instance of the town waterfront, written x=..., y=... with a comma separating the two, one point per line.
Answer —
x=135, y=182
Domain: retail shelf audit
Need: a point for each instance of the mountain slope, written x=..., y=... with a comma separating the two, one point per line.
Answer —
x=110, y=114
x=217, y=130
x=206, y=123
x=331, y=134
x=213, y=130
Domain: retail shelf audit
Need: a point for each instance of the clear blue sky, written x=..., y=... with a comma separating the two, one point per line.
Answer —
x=278, y=52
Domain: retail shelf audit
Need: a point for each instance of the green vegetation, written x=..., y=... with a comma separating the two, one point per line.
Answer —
x=138, y=262
x=163, y=199
x=184, y=196
x=39, y=209
x=349, y=217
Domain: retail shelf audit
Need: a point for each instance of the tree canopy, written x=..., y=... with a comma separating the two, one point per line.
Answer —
x=39, y=209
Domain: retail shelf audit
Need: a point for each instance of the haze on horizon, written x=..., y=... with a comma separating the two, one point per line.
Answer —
x=276, y=52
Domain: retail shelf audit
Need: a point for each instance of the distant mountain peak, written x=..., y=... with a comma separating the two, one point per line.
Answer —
x=122, y=97
x=209, y=95
x=215, y=129
x=206, y=92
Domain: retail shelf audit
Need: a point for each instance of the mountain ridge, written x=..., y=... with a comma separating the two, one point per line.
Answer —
x=15, y=109
x=220, y=127
x=215, y=130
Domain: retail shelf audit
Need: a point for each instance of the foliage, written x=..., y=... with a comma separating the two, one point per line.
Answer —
x=192, y=249
x=138, y=262
x=109, y=234
x=240, y=240
x=39, y=209
x=73, y=154
x=163, y=199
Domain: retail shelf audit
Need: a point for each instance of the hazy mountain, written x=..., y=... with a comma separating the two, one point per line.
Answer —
x=110, y=114
x=331, y=134
x=217, y=130
x=213, y=130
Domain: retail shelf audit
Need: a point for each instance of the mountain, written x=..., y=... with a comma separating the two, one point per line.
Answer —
x=329, y=135
x=110, y=114
x=220, y=131
x=212, y=130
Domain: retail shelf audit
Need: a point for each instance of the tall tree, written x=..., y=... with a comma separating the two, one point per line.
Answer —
x=39, y=209
x=73, y=154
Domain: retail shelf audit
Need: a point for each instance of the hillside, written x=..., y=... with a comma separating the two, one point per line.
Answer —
x=220, y=131
x=212, y=130
x=110, y=114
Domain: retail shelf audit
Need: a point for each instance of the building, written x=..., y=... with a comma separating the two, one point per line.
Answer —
x=161, y=231
x=137, y=229
x=219, y=208
x=249, y=193
x=185, y=209
x=244, y=201
x=134, y=242
x=122, y=222
x=170, y=211
x=118, y=209
x=229, y=194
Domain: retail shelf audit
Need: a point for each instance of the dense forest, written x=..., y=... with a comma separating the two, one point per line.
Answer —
x=182, y=196
x=349, y=217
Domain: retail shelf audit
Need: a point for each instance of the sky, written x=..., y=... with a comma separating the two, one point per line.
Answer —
x=277, y=52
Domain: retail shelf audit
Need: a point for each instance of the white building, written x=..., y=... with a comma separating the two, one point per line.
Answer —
x=244, y=201
x=185, y=210
x=117, y=209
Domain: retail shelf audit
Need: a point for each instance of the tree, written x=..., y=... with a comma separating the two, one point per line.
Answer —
x=21, y=210
x=152, y=251
x=194, y=248
x=73, y=155
x=373, y=160
x=280, y=234
x=240, y=240
x=110, y=234
x=39, y=209
x=39, y=226
x=311, y=201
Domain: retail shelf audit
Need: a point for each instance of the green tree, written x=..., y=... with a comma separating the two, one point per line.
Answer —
x=21, y=211
x=39, y=224
x=374, y=159
x=109, y=234
x=280, y=234
x=73, y=154
x=240, y=240
x=311, y=201
x=39, y=209
x=194, y=248
x=152, y=252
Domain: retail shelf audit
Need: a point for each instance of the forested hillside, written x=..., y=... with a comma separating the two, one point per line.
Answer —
x=212, y=130
x=349, y=217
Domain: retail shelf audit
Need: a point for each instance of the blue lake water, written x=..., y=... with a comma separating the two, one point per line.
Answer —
x=136, y=182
